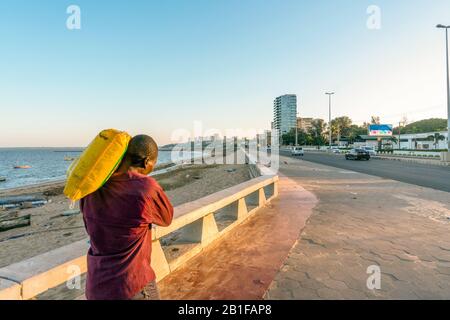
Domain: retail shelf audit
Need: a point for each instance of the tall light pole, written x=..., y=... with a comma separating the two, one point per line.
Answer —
x=440, y=26
x=329, y=113
x=296, y=129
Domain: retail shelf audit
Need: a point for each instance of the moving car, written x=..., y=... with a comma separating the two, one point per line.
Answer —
x=297, y=151
x=357, y=154
x=334, y=149
x=370, y=150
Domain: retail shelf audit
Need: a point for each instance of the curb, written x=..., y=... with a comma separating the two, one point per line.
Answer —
x=413, y=160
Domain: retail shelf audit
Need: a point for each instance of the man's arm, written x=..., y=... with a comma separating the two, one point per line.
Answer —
x=163, y=213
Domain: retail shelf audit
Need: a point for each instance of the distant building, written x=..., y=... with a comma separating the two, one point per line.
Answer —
x=414, y=141
x=372, y=141
x=304, y=124
x=422, y=141
x=285, y=113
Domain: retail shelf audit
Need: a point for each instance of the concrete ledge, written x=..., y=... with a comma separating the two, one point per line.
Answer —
x=28, y=278
x=47, y=270
x=10, y=290
x=192, y=211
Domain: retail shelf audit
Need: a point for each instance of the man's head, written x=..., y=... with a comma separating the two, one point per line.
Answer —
x=142, y=154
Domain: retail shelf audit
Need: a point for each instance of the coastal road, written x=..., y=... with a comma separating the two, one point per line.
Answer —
x=430, y=176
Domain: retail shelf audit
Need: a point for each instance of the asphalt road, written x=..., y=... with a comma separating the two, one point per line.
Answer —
x=430, y=176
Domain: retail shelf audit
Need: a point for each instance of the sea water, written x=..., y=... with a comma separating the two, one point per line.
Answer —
x=47, y=164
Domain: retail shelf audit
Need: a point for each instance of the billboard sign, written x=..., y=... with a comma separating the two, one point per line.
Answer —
x=380, y=130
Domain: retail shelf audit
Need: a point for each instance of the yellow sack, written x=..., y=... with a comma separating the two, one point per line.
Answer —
x=96, y=164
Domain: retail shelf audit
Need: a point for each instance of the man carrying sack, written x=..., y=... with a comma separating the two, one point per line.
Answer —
x=118, y=218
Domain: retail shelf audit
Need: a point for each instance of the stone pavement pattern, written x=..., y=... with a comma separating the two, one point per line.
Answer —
x=361, y=221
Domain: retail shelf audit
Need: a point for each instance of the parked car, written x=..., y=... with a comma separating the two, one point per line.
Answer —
x=297, y=151
x=357, y=154
x=370, y=150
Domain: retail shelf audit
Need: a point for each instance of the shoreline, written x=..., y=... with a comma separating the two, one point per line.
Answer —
x=159, y=169
x=50, y=183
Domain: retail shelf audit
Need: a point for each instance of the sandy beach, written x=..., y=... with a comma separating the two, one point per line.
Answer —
x=51, y=229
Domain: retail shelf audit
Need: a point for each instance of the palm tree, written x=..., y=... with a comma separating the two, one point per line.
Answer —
x=436, y=138
x=375, y=120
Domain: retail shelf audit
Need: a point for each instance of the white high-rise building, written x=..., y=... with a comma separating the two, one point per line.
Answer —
x=285, y=113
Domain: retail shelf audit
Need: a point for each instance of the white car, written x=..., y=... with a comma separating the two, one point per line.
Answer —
x=370, y=150
x=334, y=149
x=297, y=151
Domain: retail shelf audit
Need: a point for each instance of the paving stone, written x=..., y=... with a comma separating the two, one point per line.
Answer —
x=318, y=274
x=327, y=293
x=296, y=275
x=288, y=284
x=350, y=294
x=402, y=294
x=443, y=270
x=279, y=294
x=335, y=284
x=441, y=256
x=305, y=294
x=312, y=284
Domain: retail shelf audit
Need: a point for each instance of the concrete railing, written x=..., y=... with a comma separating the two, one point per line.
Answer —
x=197, y=223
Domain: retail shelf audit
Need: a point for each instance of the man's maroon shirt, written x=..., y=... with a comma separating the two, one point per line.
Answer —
x=118, y=218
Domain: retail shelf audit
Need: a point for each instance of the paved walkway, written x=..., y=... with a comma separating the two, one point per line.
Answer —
x=243, y=263
x=362, y=221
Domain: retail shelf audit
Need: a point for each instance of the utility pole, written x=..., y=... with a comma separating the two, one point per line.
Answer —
x=448, y=87
x=338, y=134
x=329, y=114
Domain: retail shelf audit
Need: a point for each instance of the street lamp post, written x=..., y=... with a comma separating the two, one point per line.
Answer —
x=440, y=26
x=296, y=129
x=329, y=113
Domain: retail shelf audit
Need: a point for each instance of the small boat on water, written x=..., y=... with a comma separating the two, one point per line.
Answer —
x=22, y=167
x=69, y=158
x=2, y=179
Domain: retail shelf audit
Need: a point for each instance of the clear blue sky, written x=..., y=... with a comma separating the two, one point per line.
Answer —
x=156, y=66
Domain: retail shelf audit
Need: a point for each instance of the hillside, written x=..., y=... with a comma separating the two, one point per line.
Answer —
x=427, y=125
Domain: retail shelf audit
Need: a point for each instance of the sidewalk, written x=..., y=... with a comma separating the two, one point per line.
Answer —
x=362, y=221
x=243, y=263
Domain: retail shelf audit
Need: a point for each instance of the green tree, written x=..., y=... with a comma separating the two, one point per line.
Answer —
x=317, y=131
x=423, y=126
x=341, y=126
x=356, y=131
x=436, y=138
x=375, y=120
